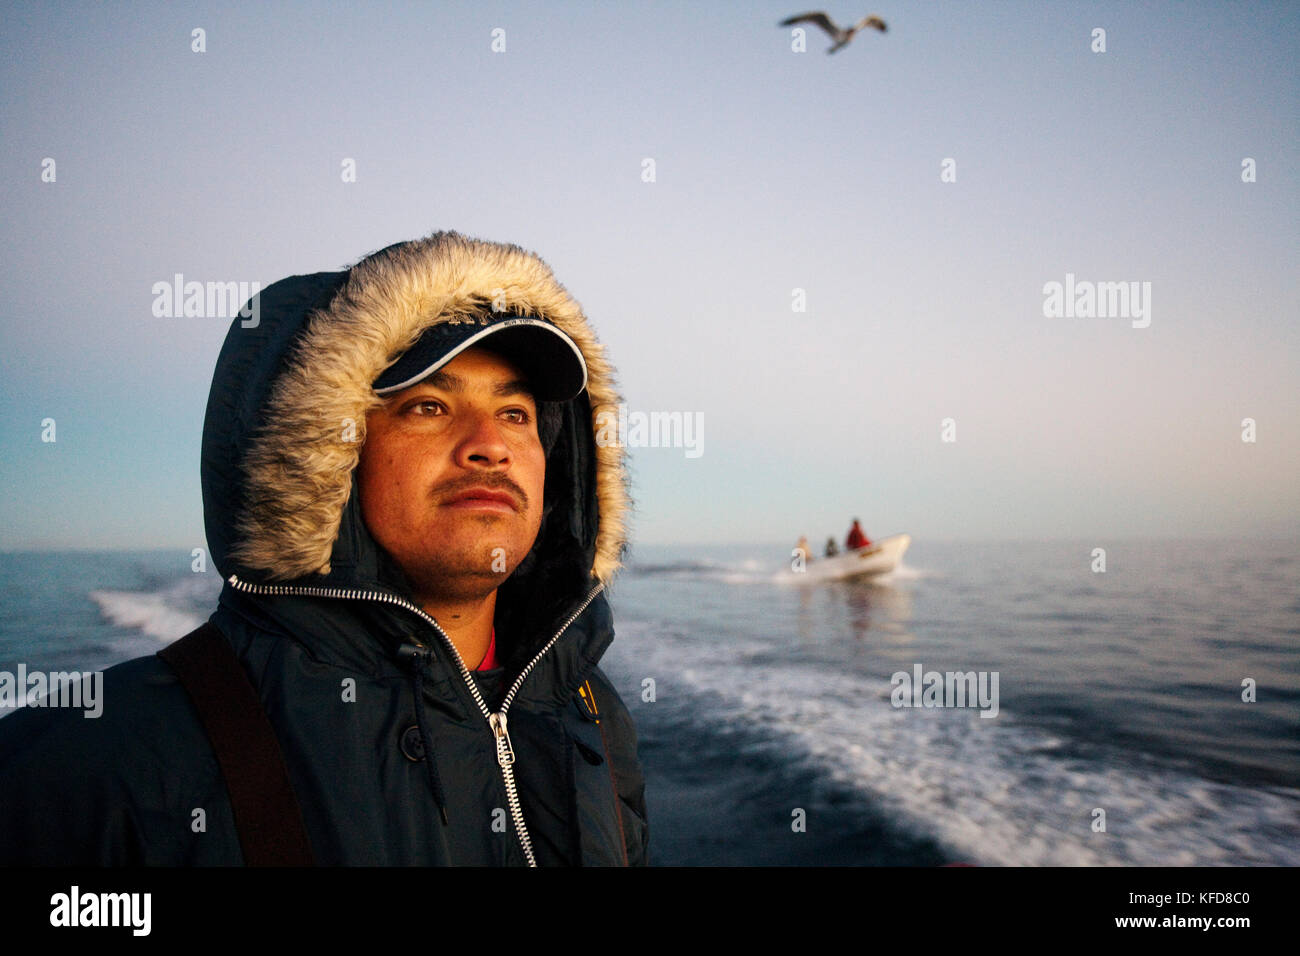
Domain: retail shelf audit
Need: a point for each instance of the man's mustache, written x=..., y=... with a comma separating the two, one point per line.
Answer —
x=496, y=482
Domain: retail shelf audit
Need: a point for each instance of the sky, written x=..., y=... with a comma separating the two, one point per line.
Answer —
x=831, y=264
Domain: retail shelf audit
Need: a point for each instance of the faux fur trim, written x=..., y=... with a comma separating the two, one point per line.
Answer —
x=298, y=468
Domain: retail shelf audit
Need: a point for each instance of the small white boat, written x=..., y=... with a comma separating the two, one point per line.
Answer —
x=880, y=557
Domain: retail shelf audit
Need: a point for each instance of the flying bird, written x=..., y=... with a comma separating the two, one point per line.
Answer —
x=840, y=36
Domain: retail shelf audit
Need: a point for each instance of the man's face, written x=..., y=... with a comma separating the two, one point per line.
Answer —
x=451, y=476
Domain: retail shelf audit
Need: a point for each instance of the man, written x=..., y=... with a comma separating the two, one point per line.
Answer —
x=857, y=538
x=403, y=492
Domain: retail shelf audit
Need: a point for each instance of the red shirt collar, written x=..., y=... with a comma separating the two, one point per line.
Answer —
x=490, y=658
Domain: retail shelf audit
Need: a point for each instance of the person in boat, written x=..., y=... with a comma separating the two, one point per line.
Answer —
x=802, y=547
x=404, y=493
x=857, y=538
x=832, y=548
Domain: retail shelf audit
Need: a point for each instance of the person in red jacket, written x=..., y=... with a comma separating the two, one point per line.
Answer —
x=857, y=538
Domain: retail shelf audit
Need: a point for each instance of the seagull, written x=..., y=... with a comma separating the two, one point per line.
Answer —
x=841, y=37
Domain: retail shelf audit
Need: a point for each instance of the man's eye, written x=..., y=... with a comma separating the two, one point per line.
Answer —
x=519, y=416
x=426, y=407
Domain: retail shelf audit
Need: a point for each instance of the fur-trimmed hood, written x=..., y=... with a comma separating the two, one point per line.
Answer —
x=286, y=415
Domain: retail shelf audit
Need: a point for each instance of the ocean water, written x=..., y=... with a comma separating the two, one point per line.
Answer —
x=766, y=705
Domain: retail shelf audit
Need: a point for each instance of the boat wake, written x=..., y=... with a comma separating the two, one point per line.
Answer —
x=1001, y=792
x=749, y=571
x=167, y=613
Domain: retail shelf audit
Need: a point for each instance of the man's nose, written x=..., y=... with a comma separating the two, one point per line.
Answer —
x=483, y=443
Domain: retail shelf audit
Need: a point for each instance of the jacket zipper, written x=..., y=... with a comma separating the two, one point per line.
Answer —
x=497, y=722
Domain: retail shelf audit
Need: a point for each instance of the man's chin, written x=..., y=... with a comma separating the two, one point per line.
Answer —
x=467, y=562
x=456, y=582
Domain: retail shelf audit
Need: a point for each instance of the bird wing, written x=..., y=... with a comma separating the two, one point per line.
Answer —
x=871, y=21
x=819, y=18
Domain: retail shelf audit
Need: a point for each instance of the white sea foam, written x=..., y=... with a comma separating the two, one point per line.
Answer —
x=151, y=612
x=993, y=791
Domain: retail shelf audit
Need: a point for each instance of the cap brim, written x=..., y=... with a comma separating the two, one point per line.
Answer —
x=551, y=360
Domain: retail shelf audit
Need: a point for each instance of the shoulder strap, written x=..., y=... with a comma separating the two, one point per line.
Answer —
x=588, y=696
x=267, y=816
